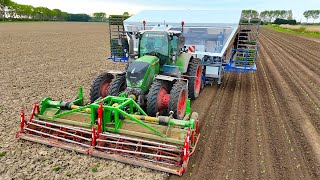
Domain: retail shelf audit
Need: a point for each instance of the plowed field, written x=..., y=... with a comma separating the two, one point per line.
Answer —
x=261, y=125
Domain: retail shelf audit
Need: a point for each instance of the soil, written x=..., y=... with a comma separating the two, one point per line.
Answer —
x=259, y=125
x=264, y=124
x=40, y=60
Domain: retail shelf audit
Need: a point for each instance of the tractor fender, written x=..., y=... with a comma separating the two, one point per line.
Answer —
x=115, y=73
x=183, y=61
x=165, y=78
x=170, y=78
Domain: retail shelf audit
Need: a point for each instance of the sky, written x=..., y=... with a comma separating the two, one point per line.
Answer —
x=134, y=6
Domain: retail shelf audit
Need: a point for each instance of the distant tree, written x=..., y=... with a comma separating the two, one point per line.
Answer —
x=64, y=16
x=13, y=10
x=314, y=14
x=285, y=21
x=78, y=17
x=263, y=15
x=249, y=14
x=3, y=5
x=126, y=14
x=99, y=16
x=290, y=15
x=270, y=16
x=307, y=14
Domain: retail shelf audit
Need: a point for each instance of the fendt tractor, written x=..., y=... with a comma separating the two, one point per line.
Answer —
x=142, y=115
x=162, y=76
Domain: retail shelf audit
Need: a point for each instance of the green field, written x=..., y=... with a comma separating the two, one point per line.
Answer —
x=293, y=31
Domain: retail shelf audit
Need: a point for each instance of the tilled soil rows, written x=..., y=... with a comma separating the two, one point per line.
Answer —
x=265, y=125
x=261, y=125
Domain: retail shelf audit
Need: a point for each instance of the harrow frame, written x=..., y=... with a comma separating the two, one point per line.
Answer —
x=114, y=128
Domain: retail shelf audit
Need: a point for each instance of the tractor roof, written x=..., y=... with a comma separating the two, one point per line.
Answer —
x=211, y=31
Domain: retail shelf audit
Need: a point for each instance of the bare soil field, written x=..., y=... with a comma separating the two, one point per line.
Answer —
x=40, y=60
x=261, y=125
x=264, y=125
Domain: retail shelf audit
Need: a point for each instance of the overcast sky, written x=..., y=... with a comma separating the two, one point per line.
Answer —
x=134, y=6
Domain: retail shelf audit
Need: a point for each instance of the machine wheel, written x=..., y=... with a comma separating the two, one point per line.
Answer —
x=100, y=86
x=194, y=70
x=178, y=99
x=117, y=86
x=158, y=98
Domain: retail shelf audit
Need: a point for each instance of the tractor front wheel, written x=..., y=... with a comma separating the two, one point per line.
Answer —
x=178, y=99
x=195, y=78
x=100, y=86
x=117, y=86
x=158, y=98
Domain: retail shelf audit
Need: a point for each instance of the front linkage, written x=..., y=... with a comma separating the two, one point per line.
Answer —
x=114, y=128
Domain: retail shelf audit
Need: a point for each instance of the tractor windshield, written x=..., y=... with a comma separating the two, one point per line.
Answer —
x=155, y=43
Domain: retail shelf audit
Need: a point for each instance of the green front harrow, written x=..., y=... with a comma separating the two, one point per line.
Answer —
x=115, y=128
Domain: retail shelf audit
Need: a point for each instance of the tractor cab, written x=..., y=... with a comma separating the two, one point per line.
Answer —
x=164, y=44
x=155, y=43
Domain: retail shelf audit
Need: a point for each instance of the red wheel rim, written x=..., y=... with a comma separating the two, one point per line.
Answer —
x=161, y=95
x=182, y=103
x=197, y=84
x=104, y=88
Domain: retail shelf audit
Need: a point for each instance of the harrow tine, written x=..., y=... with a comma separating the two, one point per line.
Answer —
x=141, y=140
x=139, y=145
x=63, y=126
x=140, y=153
x=57, y=137
x=57, y=130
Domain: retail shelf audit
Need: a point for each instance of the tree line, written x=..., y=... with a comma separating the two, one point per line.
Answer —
x=268, y=16
x=314, y=14
x=278, y=15
x=10, y=10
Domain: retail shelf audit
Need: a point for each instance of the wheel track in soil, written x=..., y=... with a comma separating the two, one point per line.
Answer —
x=306, y=94
x=212, y=131
x=258, y=126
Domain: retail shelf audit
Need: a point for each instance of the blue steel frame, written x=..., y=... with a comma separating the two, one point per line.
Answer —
x=119, y=55
x=230, y=67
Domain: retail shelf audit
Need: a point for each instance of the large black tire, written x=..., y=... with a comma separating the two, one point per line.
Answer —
x=117, y=86
x=99, y=87
x=178, y=94
x=153, y=100
x=193, y=68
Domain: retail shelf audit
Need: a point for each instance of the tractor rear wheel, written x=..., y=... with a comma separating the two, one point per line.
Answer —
x=117, y=86
x=178, y=99
x=195, y=81
x=100, y=86
x=158, y=98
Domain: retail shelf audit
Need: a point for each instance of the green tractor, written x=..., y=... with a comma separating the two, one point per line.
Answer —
x=161, y=78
